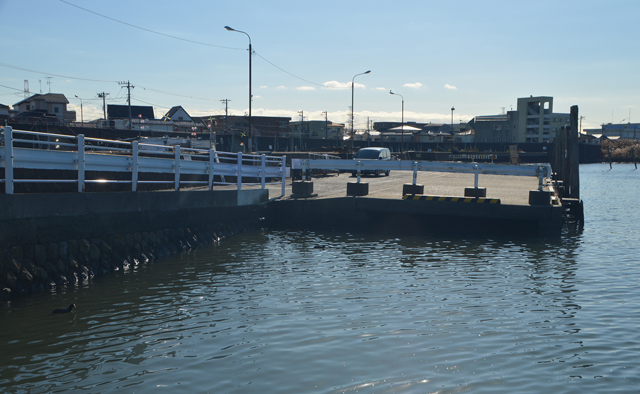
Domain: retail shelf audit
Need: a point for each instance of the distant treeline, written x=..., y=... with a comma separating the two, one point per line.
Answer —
x=621, y=150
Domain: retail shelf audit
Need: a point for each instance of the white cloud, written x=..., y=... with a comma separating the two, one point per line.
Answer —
x=335, y=85
x=263, y=86
x=382, y=89
x=450, y=87
x=416, y=85
x=281, y=87
x=305, y=88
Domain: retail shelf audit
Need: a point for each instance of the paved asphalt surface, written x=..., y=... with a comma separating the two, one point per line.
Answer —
x=509, y=189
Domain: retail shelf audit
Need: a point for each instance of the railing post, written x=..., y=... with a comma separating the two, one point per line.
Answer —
x=477, y=169
x=81, y=163
x=8, y=160
x=358, y=169
x=177, y=168
x=415, y=172
x=134, y=166
x=263, y=169
x=540, y=178
x=212, y=160
x=284, y=173
x=239, y=171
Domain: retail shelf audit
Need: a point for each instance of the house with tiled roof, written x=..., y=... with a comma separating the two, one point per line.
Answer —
x=46, y=104
x=178, y=114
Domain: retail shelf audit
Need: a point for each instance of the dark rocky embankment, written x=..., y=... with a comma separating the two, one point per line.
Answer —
x=32, y=269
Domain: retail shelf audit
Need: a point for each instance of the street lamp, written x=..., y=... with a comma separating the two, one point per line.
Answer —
x=452, y=109
x=81, y=113
x=352, y=83
x=250, y=96
x=402, y=130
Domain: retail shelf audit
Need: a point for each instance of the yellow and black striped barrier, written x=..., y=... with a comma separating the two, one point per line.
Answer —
x=474, y=200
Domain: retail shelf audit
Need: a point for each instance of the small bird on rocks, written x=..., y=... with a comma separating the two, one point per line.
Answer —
x=64, y=310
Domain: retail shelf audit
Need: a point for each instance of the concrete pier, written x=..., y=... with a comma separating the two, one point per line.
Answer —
x=385, y=209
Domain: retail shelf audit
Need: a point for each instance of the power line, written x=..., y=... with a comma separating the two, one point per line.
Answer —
x=149, y=30
x=175, y=94
x=55, y=75
x=285, y=71
x=187, y=40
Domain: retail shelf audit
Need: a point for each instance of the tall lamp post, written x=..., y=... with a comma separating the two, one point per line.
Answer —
x=452, y=109
x=402, y=126
x=250, y=96
x=81, y=112
x=352, y=84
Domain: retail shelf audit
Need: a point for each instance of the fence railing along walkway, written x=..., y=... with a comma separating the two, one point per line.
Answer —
x=538, y=170
x=35, y=150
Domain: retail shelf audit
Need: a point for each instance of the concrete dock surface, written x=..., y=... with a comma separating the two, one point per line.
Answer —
x=512, y=190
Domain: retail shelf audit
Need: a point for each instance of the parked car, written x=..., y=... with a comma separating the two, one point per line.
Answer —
x=372, y=154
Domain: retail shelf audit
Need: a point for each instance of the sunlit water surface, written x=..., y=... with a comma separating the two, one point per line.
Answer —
x=284, y=312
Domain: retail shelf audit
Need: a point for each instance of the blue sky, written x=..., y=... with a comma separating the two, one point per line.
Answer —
x=478, y=56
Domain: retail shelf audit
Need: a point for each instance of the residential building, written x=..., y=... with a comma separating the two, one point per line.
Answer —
x=261, y=125
x=4, y=112
x=533, y=121
x=495, y=128
x=177, y=114
x=40, y=105
x=122, y=112
x=318, y=129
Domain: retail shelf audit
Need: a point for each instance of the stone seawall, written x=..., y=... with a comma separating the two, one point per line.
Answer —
x=32, y=269
x=55, y=240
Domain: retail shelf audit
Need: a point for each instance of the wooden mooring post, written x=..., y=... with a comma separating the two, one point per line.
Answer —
x=566, y=165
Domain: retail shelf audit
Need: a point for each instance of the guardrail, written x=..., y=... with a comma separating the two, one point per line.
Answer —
x=36, y=150
x=538, y=170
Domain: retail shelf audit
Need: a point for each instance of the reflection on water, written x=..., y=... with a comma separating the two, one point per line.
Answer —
x=327, y=312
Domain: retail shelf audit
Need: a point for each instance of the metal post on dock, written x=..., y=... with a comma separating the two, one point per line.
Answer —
x=284, y=173
x=177, y=168
x=239, y=171
x=212, y=161
x=263, y=165
x=134, y=166
x=81, y=163
x=415, y=172
x=477, y=175
x=8, y=160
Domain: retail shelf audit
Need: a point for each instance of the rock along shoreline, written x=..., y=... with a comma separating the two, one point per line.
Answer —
x=31, y=269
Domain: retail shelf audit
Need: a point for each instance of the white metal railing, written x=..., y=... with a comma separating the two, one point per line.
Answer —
x=538, y=170
x=47, y=151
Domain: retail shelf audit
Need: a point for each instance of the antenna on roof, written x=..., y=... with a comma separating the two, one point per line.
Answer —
x=49, y=83
x=26, y=88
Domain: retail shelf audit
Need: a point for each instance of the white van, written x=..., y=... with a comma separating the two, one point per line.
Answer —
x=372, y=154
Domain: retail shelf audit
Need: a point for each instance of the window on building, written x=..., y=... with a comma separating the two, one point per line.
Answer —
x=56, y=110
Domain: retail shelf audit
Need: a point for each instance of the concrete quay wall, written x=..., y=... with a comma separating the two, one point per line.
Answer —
x=415, y=217
x=55, y=240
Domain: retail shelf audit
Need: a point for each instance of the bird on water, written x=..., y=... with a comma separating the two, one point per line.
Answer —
x=64, y=310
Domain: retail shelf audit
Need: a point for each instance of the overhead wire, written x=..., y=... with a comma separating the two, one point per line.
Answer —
x=188, y=40
x=149, y=30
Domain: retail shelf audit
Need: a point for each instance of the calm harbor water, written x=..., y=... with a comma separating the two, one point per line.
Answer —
x=285, y=312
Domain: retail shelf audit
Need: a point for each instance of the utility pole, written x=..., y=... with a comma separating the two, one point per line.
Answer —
x=129, y=87
x=103, y=96
x=300, y=129
x=226, y=114
x=326, y=126
x=581, y=117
